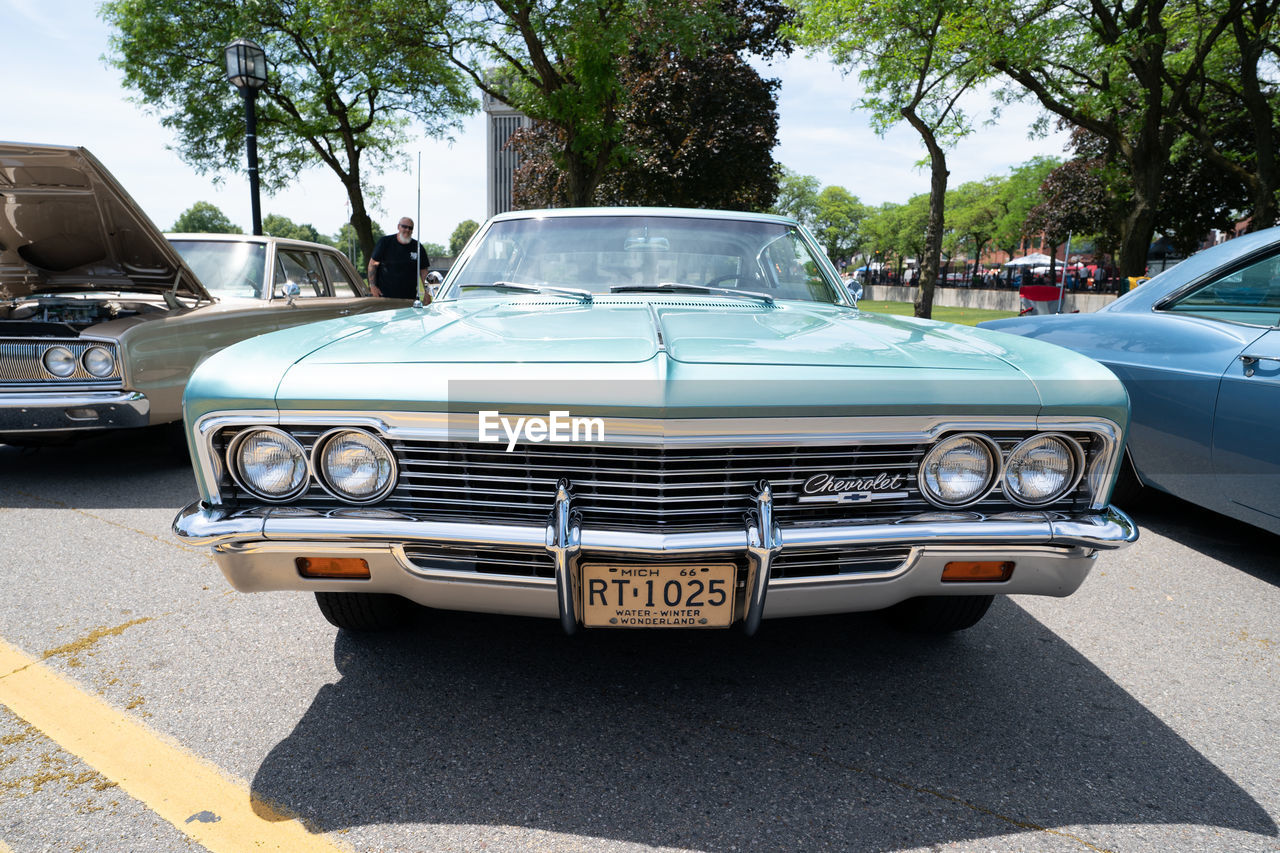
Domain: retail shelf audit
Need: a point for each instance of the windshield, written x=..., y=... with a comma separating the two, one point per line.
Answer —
x=227, y=269
x=638, y=253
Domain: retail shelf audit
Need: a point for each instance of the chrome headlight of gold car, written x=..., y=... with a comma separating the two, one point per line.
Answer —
x=98, y=361
x=268, y=462
x=59, y=361
x=354, y=465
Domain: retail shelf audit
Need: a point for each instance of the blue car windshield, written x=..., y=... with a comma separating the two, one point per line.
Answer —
x=226, y=268
x=634, y=253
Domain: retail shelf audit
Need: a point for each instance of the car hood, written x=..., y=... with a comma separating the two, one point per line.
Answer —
x=689, y=331
x=66, y=225
x=660, y=358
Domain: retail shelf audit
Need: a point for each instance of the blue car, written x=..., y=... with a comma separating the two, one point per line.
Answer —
x=1198, y=349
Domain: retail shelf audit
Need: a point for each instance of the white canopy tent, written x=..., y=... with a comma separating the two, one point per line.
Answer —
x=1036, y=260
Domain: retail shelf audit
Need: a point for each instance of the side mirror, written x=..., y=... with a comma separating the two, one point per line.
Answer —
x=855, y=290
x=291, y=291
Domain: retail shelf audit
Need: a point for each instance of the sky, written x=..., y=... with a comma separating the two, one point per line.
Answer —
x=60, y=91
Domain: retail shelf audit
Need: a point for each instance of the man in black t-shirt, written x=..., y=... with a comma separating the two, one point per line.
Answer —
x=397, y=265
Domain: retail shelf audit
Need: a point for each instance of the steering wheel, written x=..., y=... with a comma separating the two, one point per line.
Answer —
x=719, y=279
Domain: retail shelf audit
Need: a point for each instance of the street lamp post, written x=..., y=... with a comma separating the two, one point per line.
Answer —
x=247, y=71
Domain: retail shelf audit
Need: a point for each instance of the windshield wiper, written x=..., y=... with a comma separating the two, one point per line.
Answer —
x=518, y=287
x=680, y=287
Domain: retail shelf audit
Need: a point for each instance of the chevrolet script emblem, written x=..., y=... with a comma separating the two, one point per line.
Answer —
x=826, y=488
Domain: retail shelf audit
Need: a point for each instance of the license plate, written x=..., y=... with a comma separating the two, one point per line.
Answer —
x=684, y=595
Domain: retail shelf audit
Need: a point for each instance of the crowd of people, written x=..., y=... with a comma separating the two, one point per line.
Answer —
x=1098, y=278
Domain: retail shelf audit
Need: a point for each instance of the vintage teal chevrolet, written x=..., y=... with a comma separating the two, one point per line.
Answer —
x=652, y=418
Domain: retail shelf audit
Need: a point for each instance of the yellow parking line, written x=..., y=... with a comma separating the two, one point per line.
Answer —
x=215, y=811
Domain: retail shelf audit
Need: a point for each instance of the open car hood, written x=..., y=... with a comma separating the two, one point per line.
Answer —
x=66, y=225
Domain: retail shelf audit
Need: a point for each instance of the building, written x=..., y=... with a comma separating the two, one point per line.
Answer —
x=500, y=162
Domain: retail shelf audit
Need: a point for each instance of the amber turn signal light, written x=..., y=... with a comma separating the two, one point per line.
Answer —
x=991, y=570
x=332, y=567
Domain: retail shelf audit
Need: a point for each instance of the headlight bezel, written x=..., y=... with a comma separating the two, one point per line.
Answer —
x=994, y=475
x=1078, y=461
x=71, y=360
x=234, y=465
x=322, y=475
x=111, y=361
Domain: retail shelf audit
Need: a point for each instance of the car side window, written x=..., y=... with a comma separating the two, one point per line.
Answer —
x=303, y=269
x=339, y=278
x=1248, y=295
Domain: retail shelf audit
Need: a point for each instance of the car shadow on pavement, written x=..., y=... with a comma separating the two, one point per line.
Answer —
x=1242, y=546
x=833, y=733
x=129, y=469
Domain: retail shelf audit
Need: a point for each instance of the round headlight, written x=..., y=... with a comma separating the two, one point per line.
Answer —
x=59, y=361
x=355, y=465
x=98, y=361
x=270, y=463
x=959, y=470
x=1042, y=469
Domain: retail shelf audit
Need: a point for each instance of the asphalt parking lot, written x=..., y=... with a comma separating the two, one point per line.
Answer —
x=1141, y=714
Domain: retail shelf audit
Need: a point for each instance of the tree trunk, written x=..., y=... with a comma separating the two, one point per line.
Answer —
x=363, y=225
x=1139, y=225
x=360, y=220
x=932, y=254
x=1261, y=118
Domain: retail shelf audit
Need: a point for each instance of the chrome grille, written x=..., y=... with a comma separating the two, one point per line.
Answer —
x=489, y=561
x=822, y=562
x=629, y=487
x=20, y=362
x=646, y=488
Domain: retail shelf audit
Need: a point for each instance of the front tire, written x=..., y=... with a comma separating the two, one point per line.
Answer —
x=364, y=611
x=940, y=614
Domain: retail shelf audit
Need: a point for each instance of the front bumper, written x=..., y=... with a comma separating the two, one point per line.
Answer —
x=71, y=412
x=257, y=548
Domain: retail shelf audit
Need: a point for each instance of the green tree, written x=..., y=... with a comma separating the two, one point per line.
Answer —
x=339, y=93
x=917, y=58
x=1124, y=71
x=282, y=226
x=561, y=63
x=434, y=250
x=910, y=222
x=839, y=222
x=204, y=218
x=347, y=241
x=895, y=232
x=697, y=132
x=973, y=210
x=797, y=196
x=461, y=235
x=1018, y=193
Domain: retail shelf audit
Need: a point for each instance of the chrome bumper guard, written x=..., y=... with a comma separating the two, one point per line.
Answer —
x=71, y=411
x=564, y=538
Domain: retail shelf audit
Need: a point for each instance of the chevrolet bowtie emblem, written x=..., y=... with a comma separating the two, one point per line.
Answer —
x=827, y=488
